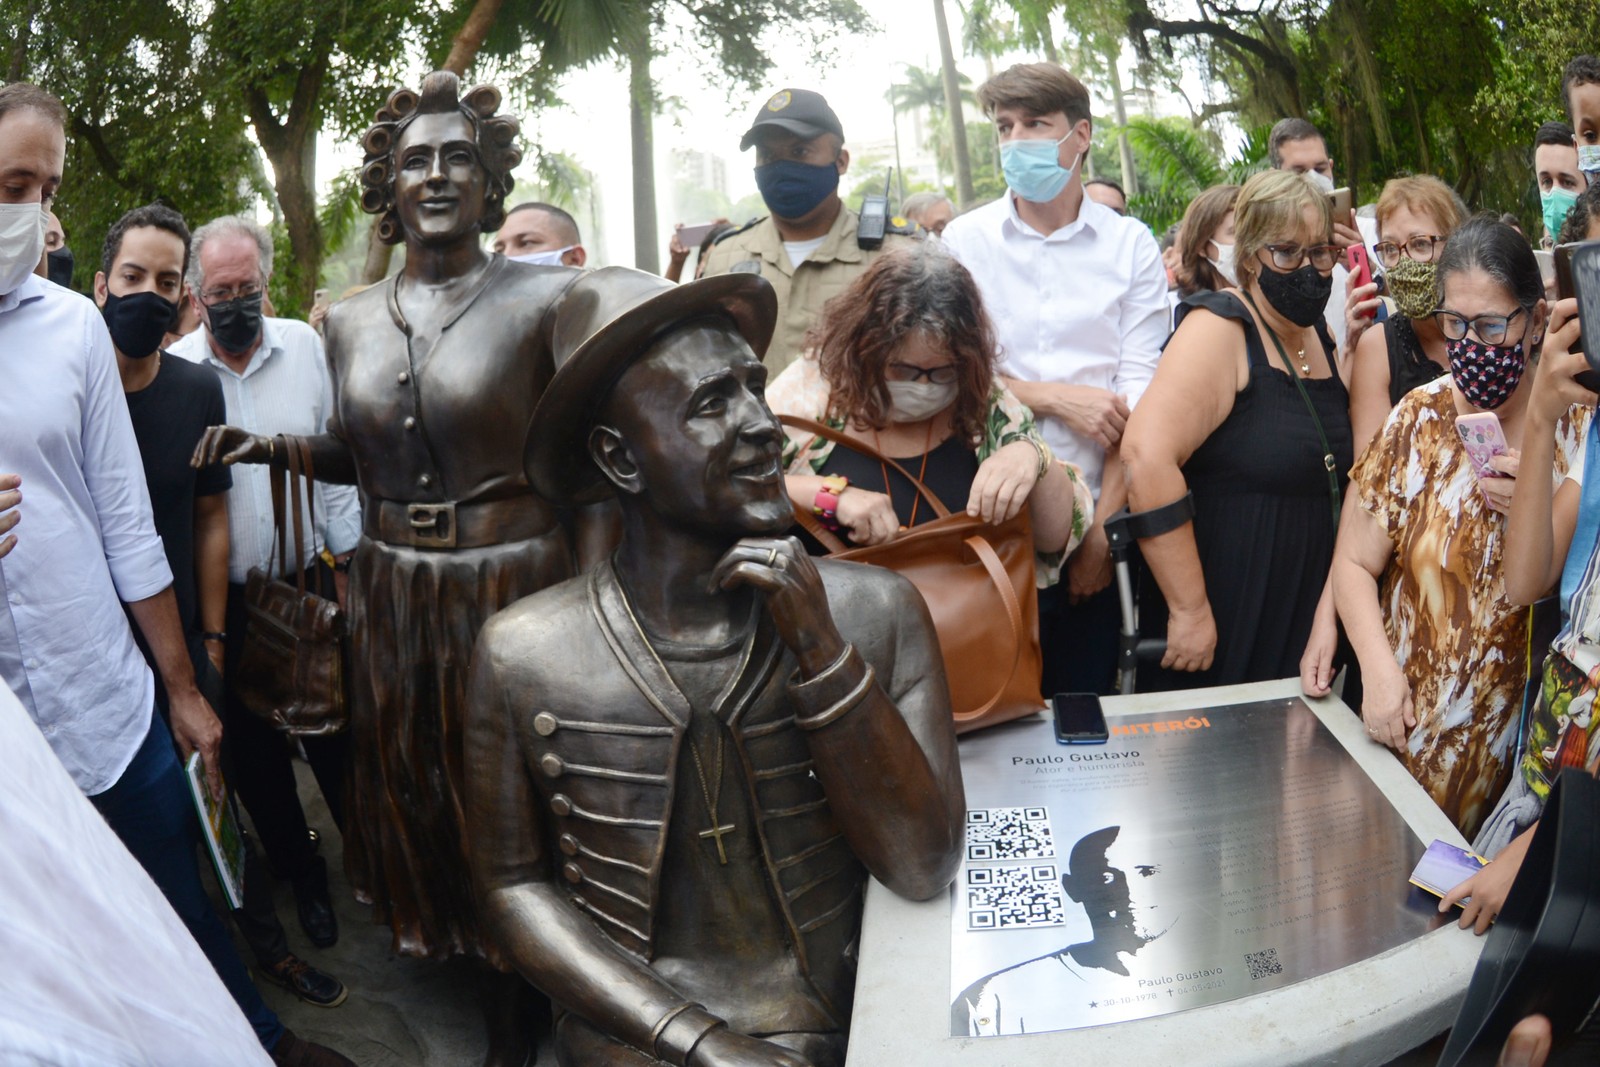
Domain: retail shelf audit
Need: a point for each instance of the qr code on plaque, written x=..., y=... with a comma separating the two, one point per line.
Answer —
x=1263, y=964
x=1000, y=834
x=1011, y=898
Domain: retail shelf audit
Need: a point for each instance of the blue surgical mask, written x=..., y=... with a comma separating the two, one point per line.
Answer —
x=792, y=190
x=1556, y=203
x=1033, y=170
x=548, y=258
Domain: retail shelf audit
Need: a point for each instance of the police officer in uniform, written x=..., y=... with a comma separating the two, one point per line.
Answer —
x=808, y=248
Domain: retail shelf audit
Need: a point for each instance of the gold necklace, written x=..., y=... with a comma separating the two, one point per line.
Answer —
x=714, y=832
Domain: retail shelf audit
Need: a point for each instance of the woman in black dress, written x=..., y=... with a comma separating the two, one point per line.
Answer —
x=1415, y=217
x=1247, y=410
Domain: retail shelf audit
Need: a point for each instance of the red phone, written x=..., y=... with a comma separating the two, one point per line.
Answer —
x=1360, y=267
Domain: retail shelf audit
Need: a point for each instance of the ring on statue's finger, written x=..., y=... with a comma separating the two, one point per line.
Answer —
x=772, y=557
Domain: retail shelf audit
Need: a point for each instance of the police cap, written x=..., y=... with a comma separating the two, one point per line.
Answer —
x=800, y=111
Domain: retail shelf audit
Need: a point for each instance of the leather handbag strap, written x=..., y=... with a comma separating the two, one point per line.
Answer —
x=1008, y=596
x=830, y=434
x=277, y=478
x=299, y=515
x=302, y=447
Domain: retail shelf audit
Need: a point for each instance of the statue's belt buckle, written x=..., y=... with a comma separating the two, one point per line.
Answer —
x=433, y=525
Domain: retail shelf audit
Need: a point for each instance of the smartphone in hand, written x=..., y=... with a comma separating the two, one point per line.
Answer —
x=1483, y=440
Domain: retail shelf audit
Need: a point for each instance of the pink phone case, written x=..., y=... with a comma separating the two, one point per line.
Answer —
x=1481, y=437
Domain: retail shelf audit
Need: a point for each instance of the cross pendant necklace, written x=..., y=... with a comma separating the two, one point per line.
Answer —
x=714, y=832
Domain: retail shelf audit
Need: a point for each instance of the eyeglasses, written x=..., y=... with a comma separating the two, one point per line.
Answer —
x=1290, y=257
x=217, y=296
x=1490, y=329
x=1419, y=249
x=905, y=372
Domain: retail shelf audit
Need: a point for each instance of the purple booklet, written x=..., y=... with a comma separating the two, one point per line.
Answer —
x=1444, y=866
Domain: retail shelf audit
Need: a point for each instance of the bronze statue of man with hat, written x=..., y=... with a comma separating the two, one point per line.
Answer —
x=685, y=763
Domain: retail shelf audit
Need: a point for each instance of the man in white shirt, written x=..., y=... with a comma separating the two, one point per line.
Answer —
x=1078, y=298
x=1295, y=144
x=274, y=381
x=88, y=547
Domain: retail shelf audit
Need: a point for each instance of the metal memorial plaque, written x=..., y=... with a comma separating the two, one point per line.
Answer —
x=1186, y=862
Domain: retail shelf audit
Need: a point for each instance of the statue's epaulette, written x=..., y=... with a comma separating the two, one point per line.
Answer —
x=741, y=229
x=905, y=227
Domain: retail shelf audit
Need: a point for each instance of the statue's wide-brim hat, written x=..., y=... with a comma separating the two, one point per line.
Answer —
x=606, y=322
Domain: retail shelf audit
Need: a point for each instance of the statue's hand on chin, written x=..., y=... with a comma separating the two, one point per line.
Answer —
x=727, y=1048
x=780, y=569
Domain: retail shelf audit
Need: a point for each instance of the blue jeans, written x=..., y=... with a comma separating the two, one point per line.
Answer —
x=151, y=811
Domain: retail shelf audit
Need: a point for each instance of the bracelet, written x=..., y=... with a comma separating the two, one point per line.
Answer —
x=1041, y=446
x=342, y=566
x=825, y=506
x=214, y=635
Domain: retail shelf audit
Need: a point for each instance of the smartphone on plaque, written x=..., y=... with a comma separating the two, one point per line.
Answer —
x=1079, y=720
x=1483, y=440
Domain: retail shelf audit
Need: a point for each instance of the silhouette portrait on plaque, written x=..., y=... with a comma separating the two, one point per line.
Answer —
x=1102, y=889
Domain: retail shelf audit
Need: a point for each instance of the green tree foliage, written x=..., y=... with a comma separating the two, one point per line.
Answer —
x=149, y=119
x=1447, y=87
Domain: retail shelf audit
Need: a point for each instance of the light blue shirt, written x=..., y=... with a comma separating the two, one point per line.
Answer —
x=285, y=388
x=86, y=542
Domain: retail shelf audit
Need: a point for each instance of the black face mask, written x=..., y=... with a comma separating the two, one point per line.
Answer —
x=1301, y=296
x=236, y=323
x=138, y=322
x=58, y=266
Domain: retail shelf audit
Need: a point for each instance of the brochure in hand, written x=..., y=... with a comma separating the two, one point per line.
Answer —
x=1445, y=866
x=221, y=831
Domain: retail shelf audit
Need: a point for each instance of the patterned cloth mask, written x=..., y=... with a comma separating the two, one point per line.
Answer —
x=1486, y=374
x=1414, y=287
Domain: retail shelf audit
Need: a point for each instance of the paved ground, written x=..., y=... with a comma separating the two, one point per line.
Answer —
x=400, y=1011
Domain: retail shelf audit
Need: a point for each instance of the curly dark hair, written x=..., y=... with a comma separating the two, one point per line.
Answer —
x=923, y=290
x=440, y=94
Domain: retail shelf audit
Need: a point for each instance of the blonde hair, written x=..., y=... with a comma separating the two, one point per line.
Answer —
x=1425, y=195
x=1270, y=208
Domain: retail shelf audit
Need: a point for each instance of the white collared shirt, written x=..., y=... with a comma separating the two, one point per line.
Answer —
x=100, y=972
x=87, y=541
x=285, y=388
x=1086, y=305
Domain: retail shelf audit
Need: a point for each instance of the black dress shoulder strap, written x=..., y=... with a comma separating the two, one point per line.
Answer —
x=1226, y=305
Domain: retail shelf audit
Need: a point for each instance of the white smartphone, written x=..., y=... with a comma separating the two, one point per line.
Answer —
x=691, y=236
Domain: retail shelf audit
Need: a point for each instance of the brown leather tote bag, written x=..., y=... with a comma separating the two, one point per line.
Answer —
x=292, y=669
x=978, y=581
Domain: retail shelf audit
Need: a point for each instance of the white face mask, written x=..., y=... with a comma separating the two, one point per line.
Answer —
x=1320, y=180
x=915, y=401
x=548, y=258
x=21, y=243
x=1589, y=161
x=1224, y=262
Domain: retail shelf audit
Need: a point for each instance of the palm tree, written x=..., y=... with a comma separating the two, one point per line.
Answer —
x=1180, y=162
x=952, y=100
x=922, y=90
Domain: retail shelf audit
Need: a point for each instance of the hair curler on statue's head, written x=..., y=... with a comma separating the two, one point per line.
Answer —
x=496, y=137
